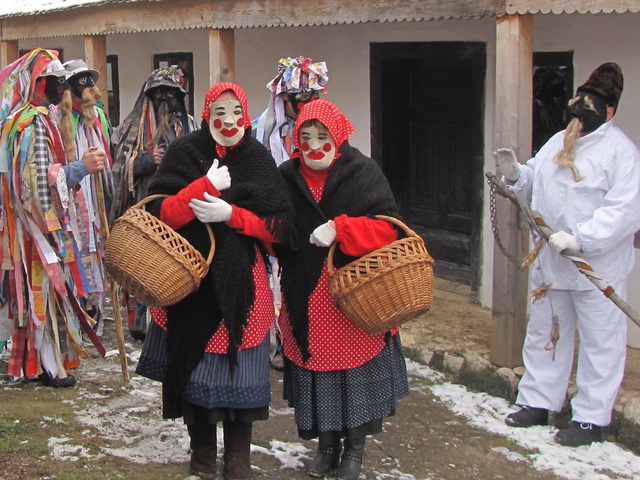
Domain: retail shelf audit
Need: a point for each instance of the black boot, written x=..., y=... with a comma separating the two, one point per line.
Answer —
x=578, y=434
x=527, y=417
x=237, y=450
x=352, y=457
x=328, y=457
x=203, y=450
x=47, y=381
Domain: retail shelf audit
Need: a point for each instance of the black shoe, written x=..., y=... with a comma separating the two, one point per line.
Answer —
x=352, y=458
x=350, y=466
x=326, y=462
x=138, y=335
x=327, y=459
x=47, y=381
x=527, y=417
x=277, y=362
x=578, y=434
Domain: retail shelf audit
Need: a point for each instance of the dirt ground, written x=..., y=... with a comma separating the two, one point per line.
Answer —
x=102, y=417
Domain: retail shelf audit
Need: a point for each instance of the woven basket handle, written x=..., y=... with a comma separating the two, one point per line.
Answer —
x=395, y=221
x=209, y=231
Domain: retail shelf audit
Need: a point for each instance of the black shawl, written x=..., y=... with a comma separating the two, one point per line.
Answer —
x=228, y=290
x=356, y=187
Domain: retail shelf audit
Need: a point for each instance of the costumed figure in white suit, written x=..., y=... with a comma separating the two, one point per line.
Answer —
x=585, y=182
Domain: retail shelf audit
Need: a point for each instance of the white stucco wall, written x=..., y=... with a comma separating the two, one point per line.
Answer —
x=594, y=39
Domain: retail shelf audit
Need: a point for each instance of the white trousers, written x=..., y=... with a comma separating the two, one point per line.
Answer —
x=602, y=329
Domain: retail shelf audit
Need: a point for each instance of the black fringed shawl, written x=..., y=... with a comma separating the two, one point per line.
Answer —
x=228, y=290
x=356, y=187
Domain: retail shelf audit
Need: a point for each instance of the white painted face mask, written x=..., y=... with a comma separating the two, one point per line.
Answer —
x=226, y=120
x=317, y=146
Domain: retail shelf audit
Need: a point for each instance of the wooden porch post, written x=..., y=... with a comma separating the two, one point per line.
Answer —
x=513, y=112
x=221, y=56
x=9, y=52
x=95, y=53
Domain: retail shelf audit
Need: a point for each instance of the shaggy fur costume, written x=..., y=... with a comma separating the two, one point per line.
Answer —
x=356, y=187
x=228, y=290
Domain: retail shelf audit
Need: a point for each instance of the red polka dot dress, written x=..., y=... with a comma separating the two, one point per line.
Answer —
x=335, y=341
x=337, y=377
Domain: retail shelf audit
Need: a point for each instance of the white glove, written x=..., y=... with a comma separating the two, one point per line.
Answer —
x=219, y=176
x=324, y=235
x=211, y=209
x=507, y=163
x=560, y=241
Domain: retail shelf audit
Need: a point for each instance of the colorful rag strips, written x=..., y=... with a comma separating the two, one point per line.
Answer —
x=51, y=237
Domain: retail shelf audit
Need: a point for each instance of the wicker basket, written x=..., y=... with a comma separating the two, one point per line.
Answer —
x=387, y=287
x=151, y=261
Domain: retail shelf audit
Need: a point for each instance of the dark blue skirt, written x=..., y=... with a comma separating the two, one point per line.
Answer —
x=344, y=400
x=211, y=384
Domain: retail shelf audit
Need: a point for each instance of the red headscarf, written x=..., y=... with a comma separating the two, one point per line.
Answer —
x=330, y=116
x=211, y=96
x=217, y=90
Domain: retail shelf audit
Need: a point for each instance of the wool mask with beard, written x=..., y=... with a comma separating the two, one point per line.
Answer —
x=171, y=97
x=590, y=109
x=79, y=82
x=226, y=120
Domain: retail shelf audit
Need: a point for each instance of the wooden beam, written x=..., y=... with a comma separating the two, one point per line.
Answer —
x=95, y=54
x=153, y=16
x=513, y=112
x=221, y=56
x=9, y=52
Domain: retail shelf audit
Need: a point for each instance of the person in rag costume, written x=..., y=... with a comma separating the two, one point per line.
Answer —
x=91, y=130
x=42, y=275
x=211, y=349
x=585, y=182
x=299, y=80
x=341, y=381
x=159, y=117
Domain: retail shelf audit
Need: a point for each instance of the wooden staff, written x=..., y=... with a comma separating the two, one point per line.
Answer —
x=537, y=223
x=117, y=318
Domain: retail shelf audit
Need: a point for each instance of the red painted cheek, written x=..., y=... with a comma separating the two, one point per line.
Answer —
x=327, y=147
x=217, y=123
x=241, y=122
x=305, y=147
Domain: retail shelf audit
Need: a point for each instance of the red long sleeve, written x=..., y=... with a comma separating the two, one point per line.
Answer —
x=175, y=210
x=248, y=223
x=361, y=235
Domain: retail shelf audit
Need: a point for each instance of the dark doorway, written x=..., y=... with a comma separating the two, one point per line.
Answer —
x=552, y=90
x=427, y=107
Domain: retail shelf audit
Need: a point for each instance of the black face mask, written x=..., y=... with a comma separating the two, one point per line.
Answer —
x=590, y=109
x=54, y=88
x=171, y=96
x=300, y=98
x=78, y=83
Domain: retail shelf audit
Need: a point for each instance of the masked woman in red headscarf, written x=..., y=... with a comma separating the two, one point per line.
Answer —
x=211, y=349
x=341, y=381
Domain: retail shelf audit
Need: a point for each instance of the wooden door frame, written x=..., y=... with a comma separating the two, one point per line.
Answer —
x=474, y=51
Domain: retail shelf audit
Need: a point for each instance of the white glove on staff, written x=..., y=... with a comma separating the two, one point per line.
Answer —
x=560, y=241
x=324, y=235
x=211, y=209
x=507, y=163
x=219, y=176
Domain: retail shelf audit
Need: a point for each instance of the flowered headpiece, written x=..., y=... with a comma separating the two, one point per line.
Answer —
x=299, y=74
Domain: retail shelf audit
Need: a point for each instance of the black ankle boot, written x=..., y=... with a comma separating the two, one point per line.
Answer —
x=527, y=417
x=237, y=450
x=578, y=434
x=352, y=458
x=204, y=447
x=328, y=457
